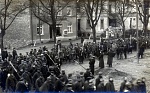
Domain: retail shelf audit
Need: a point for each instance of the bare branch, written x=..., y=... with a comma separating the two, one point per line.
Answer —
x=14, y=18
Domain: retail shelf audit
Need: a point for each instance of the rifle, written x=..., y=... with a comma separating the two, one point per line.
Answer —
x=53, y=61
x=14, y=69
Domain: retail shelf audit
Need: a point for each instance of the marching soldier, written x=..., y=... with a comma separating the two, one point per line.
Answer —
x=47, y=86
x=63, y=74
x=21, y=86
x=57, y=61
x=38, y=83
x=11, y=82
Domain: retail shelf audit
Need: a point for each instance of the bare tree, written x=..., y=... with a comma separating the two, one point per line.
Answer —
x=9, y=10
x=122, y=11
x=50, y=10
x=93, y=10
x=143, y=11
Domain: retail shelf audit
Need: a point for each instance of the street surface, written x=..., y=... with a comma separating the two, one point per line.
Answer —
x=121, y=68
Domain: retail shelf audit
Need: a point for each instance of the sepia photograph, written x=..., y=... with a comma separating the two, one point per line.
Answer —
x=74, y=46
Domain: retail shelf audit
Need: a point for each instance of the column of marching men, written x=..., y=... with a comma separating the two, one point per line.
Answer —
x=40, y=69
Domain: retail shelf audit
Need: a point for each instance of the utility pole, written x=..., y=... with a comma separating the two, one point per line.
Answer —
x=31, y=21
x=39, y=23
x=137, y=36
x=76, y=21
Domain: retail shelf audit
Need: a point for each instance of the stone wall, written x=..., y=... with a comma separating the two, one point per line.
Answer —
x=18, y=34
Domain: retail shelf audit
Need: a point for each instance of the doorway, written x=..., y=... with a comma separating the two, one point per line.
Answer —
x=58, y=29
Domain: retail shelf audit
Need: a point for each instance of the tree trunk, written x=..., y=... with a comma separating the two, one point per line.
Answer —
x=50, y=32
x=123, y=30
x=54, y=32
x=145, y=29
x=2, y=39
x=2, y=44
x=94, y=34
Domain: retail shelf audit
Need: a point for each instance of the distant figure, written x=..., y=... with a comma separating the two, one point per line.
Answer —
x=4, y=54
x=91, y=64
x=14, y=53
x=82, y=38
x=101, y=60
x=111, y=54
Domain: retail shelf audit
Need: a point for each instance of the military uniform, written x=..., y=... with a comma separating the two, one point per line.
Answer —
x=4, y=54
x=91, y=64
x=97, y=81
x=21, y=87
x=101, y=87
x=11, y=82
x=101, y=60
x=38, y=83
x=81, y=57
x=110, y=86
x=111, y=54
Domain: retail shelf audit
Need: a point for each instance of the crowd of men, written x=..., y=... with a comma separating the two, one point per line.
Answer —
x=40, y=69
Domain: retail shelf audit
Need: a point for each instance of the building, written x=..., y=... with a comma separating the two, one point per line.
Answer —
x=72, y=22
x=66, y=26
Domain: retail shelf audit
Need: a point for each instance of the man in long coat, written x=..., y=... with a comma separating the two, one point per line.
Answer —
x=14, y=53
x=81, y=57
x=101, y=60
x=111, y=54
x=4, y=54
x=91, y=64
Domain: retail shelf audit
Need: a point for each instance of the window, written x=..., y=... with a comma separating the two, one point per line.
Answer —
x=59, y=11
x=69, y=11
x=40, y=29
x=69, y=28
x=109, y=8
x=102, y=24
